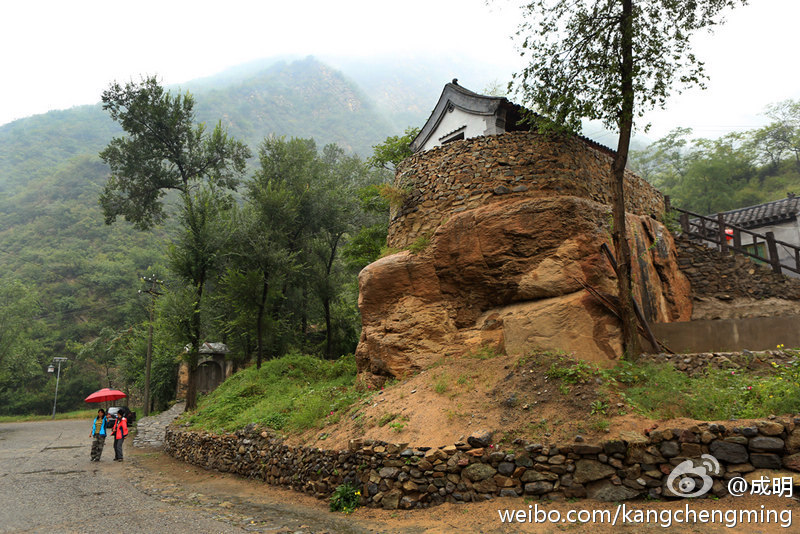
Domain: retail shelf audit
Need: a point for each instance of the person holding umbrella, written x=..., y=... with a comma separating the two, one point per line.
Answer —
x=120, y=430
x=99, y=435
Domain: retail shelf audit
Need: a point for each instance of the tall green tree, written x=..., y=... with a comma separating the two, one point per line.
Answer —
x=611, y=60
x=165, y=150
x=258, y=264
x=393, y=150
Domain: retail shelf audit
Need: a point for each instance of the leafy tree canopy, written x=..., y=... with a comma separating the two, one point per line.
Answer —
x=164, y=150
x=393, y=150
x=575, y=52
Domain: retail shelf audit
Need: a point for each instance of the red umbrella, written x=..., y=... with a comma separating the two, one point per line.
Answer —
x=104, y=395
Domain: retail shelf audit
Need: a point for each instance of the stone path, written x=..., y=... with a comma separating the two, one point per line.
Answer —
x=150, y=430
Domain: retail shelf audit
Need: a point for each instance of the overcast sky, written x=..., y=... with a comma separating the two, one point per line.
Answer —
x=58, y=54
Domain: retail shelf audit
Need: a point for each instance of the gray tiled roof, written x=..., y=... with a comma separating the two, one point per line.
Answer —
x=773, y=212
x=454, y=94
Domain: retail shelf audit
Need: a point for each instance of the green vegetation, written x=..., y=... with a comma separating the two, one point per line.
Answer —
x=660, y=391
x=387, y=418
x=736, y=170
x=420, y=243
x=484, y=352
x=393, y=150
x=399, y=424
x=345, y=498
x=89, y=415
x=294, y=393
x=441, y=383
x=269, y=268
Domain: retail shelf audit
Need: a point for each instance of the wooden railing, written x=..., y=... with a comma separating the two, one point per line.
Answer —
x=713, y=230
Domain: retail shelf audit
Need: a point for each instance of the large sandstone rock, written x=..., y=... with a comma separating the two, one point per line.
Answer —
x=508, y=274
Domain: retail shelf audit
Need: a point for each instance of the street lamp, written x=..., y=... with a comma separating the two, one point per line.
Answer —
x=50, y=369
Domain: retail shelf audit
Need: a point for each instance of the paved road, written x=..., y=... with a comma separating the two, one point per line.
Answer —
x=48, y=484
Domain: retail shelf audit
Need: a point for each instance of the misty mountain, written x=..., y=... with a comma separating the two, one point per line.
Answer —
x=52, y=234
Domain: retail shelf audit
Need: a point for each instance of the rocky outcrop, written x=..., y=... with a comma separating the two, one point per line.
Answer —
x=509, y=275
x=505, y=230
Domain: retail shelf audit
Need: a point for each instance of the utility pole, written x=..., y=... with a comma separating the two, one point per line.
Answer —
x=153, y=290
x=50, y=369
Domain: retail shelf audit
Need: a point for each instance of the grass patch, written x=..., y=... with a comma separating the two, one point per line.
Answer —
x=441, y=385
x=571, y=371
x=662, y=391
x=388, y=251
x=601, y=425
x=78, y=414
x=485, y=352
x=387, y=418
x=295, y=392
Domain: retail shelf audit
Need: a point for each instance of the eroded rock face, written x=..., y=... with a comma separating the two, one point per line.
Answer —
x=508, y=275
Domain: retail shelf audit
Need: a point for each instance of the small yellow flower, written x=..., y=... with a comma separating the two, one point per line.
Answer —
x=358, y=493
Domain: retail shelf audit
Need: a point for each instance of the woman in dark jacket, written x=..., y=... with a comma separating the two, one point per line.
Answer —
x=99, y=435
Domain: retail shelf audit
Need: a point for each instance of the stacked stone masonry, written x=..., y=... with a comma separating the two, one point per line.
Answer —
x=392, y=475
x=470, y=173
x=699, y=363
x=727, y=276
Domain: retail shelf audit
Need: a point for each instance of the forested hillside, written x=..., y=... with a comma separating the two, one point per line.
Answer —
x=733, y=171
x=80, y=277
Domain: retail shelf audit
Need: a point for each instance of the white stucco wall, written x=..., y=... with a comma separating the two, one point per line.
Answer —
x=788, y=232
x=475, y=125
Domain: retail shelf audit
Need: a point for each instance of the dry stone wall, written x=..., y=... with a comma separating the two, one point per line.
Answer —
x=698, y=363
x=393, y=475
x=471, y=173
x=729, y=276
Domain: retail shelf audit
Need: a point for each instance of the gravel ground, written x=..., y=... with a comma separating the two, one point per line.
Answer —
x=48, y=484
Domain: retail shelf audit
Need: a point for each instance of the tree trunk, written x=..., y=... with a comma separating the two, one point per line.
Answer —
x=194, y=357
x=260, y=324
x=191, y=386
x=630, y=335
x=327, y=299
x=326, y=305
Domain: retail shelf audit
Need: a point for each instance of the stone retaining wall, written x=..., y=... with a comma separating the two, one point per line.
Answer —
x=471, y=173
x=696, y=364
x=392, y=475
x=728, y=276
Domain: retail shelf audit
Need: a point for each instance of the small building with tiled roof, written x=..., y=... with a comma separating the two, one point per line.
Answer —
x=464, y=114
x=779, y=217
x=775, y=213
